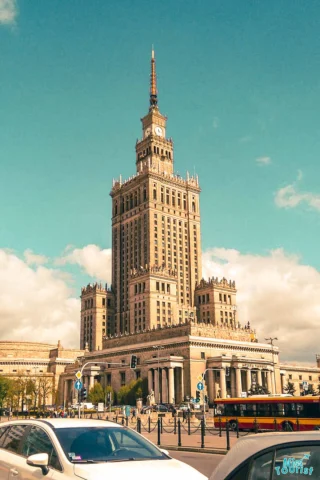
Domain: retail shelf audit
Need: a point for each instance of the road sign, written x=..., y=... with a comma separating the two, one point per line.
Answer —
x=78, y=375
x=78, y=385
x=197, y=400
x=200, y=386
x=200, y=378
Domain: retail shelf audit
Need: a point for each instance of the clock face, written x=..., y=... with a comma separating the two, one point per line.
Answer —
x=158, y=131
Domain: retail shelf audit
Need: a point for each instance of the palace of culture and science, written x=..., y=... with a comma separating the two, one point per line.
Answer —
x=159, y=307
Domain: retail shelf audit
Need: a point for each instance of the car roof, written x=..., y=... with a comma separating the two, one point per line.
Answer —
x=66, y=423
x=252, y=444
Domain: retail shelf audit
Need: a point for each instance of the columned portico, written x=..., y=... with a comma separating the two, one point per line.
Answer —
x=164, y=397
x=238, y=382
x=171, y=391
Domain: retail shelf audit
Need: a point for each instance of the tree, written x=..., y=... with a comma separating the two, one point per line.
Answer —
x=311, y=390
x=318, y=389
x=5, y=384
x=258, y=390
x=96, y=394
x=289, y=388
x=45, y=387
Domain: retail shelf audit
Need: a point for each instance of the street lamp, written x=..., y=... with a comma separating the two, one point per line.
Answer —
x=271, y=340
x=159, y=347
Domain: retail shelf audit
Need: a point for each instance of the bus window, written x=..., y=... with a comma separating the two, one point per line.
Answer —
x=263, y=409
x=277, y=410
x=290, y=409
x=251, y=410
x=219, y=410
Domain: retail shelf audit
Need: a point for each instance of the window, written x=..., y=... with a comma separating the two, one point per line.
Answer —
x=203, y=355
x=261, y=467
x=38, y=441
x=123, y=378
x=300, y=377
x=289, y=459
x=13, y=437
x=290, y=377
x=310, y=377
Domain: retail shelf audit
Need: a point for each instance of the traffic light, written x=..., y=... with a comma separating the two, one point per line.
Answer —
x=198, y=394
x=134, y=361
x=83, y=394
x=227, y=371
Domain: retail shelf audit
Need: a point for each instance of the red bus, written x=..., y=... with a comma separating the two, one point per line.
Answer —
x=265, y=412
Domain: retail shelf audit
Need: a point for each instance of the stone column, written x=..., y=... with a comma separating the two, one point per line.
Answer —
x=210, y=389
x=269, y=384
x=156, y=385
x=238, y=382
x=259, y=377
x=181, y=384
x=150, y=381
x=223, y=387
x=248, y=379
x=65, y=391
x=171, y=395
x=91, y=382
x=164, y=386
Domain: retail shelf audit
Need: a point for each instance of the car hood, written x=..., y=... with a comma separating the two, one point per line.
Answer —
x=170, y=469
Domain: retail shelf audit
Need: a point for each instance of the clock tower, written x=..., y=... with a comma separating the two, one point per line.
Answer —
x=154, y=150
x=156, y=242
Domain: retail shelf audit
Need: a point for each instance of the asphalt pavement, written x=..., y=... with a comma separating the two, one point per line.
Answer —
x=203, y=462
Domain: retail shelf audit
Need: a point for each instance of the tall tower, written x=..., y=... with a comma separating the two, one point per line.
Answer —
x=156, y=243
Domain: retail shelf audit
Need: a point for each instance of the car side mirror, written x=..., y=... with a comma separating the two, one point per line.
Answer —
x=40, y=460
x=164, y=451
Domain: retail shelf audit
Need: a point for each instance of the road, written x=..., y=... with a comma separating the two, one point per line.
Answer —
x=203, y=462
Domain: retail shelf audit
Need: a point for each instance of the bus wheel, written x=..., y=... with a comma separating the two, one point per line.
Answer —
x=233, y=425
x=287, y=426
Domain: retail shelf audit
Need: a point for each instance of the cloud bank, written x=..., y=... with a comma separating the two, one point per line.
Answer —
x=277, y=294
x=290, y=197
x=36, y=304
x=8, y=12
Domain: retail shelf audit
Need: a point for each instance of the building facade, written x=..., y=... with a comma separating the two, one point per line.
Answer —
x=159, y=307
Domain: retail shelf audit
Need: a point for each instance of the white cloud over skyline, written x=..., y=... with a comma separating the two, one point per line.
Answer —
x=290, y=197
x=8, y=12
x=36, y=304
x=276, y=293
x=263, y=160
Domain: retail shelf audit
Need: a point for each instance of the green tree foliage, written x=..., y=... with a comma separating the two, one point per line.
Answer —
x=96, y=394
x=258, y=390
x=128, y=394
x=318, y=389
x=5, y=385
x=311, y=390
x=289, y=388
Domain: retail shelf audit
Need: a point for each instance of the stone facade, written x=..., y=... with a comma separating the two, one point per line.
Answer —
x=37, y=361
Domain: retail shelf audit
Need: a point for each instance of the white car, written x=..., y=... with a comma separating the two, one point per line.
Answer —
x=62, y=449
x=272, y=456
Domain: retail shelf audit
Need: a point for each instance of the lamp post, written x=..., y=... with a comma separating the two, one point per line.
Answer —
x=271, y=340
x=158, y=347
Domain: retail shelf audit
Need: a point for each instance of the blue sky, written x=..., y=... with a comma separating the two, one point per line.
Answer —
x=239, y=82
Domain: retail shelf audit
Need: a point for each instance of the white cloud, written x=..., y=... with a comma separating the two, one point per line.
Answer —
x=36, y=304
x=95, y=261
x=8, y=12
x=277, y=294
x=290, y=197
x=34, y=259
x=263, y=160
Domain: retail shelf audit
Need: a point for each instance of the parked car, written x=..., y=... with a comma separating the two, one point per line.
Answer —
x=63, y=449
x=272, y=455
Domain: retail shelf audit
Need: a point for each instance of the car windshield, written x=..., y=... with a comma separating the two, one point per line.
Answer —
x=105, y=444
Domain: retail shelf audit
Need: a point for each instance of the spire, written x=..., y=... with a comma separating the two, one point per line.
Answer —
x=153, y=82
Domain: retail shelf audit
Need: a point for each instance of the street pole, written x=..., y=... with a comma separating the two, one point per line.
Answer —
x=96, y=363
x=273, y=362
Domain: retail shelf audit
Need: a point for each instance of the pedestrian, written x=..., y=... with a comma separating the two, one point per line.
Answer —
x=133, y=413
x=184, y=415
x=174, y=411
